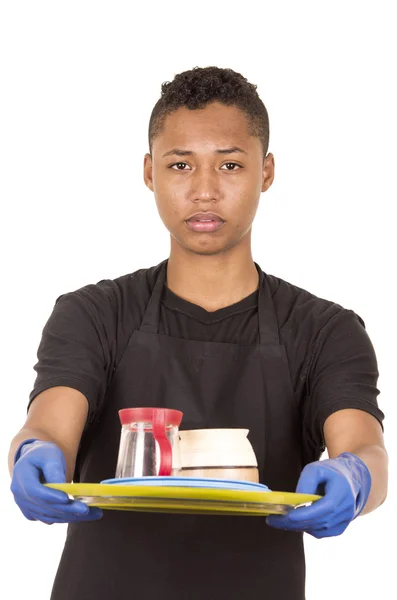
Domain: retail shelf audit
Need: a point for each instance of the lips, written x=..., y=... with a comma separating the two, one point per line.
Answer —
x=206, y=217
x=205, y=222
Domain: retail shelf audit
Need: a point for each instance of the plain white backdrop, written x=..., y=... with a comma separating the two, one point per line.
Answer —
x=78, y=83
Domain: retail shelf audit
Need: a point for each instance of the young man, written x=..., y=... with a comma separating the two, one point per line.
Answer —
x=298, y=371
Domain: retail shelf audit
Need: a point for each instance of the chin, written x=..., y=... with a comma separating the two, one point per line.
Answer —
x=206, y=247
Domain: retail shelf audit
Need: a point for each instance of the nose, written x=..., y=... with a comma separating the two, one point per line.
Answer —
x=204, y=185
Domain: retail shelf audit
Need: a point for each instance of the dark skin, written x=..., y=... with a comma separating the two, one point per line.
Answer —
x=211, y=270
x=214, y=269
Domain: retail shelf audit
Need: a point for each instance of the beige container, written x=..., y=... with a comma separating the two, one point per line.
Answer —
x=218, y=454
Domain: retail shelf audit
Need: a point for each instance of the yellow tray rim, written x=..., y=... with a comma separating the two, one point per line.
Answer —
x=181, y=492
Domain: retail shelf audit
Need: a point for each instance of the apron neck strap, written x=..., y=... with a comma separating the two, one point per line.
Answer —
x=151, y=317
x=268, y=327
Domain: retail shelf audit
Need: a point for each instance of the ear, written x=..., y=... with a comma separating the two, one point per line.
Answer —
x=268, y=172
x=148, y=171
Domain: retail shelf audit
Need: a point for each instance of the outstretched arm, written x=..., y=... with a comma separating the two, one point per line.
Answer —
x=353, y=480
x=360, y=433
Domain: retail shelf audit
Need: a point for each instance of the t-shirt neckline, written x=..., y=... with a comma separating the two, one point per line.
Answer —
x=175, y=302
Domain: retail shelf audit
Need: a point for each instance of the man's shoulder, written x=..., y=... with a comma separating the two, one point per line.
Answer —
x=141, y=281
x=298, y=307
x=124, y=296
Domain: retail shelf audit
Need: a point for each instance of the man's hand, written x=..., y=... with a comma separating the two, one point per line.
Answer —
x=346, y=483
x=36, y=460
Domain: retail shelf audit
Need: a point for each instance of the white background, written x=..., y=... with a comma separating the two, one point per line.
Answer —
x=78, y=83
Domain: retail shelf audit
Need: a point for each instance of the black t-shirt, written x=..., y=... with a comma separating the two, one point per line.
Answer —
x=331, y=359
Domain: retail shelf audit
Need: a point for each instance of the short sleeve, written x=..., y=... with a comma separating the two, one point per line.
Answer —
x=76, y=347
x=343, y=374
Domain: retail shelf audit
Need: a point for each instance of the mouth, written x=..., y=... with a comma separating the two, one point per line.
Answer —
x=205, y=222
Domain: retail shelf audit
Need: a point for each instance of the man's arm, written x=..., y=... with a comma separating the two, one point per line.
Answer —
x=352, y=479
x=361, y=434
x=56, y=415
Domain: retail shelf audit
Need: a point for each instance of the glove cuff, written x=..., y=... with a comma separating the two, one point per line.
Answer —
x=361, y=478
x=19, y=450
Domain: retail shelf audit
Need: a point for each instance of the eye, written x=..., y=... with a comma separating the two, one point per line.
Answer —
x=176, y=164
x=225, y=165
x=232, y=163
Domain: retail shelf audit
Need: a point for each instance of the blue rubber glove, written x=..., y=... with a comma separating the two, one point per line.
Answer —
x=346, y=482
x=34, y=462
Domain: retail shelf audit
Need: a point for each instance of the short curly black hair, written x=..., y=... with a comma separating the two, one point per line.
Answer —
x=201, y=85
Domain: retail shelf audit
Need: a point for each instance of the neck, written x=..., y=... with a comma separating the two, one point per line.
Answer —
x=212, y=281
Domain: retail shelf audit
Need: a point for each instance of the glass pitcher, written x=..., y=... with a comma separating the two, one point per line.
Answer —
x=149, y=442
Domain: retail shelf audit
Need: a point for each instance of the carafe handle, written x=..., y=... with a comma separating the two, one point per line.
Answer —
x=160, y=435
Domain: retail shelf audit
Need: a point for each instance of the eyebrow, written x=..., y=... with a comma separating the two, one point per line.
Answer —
x=180, y=152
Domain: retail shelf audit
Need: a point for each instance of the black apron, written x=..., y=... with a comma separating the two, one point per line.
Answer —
x=147, y=556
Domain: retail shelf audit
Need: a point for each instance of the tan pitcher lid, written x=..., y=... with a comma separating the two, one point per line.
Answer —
x=216, y=448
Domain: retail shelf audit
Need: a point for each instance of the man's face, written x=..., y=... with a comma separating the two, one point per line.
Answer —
x=204, y=181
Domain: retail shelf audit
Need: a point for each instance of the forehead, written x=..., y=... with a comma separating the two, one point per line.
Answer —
x=215, y=123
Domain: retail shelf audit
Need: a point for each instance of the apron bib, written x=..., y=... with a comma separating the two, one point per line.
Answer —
x=215, y=385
